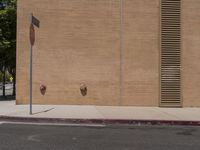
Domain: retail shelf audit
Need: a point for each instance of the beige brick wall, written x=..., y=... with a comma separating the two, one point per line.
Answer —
x=191, y=53
x=141, y=53
x=79, y=42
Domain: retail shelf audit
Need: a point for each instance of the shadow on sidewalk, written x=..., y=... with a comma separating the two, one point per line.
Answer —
x=44, y=111
x=7, y=98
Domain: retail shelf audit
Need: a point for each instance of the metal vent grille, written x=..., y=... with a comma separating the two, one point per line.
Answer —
x=170, y=53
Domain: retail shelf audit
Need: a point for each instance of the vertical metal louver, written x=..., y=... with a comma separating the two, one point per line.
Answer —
x=170, y=53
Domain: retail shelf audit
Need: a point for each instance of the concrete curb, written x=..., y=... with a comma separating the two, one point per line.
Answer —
x=99, y=121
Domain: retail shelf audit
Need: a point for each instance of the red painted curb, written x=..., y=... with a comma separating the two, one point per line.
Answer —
x=99, y=121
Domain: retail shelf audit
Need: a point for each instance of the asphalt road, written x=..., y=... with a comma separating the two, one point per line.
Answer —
x=40, y=137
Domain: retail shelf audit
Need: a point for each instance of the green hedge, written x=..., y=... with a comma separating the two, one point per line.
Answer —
x=1, y=76
x=8, y=76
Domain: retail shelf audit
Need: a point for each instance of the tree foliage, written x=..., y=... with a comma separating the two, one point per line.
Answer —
x=8, y=33
x=8, y=36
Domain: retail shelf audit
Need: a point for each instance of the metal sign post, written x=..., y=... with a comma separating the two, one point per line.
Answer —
x=30, y=80
x=32, y=40
x=33, y=22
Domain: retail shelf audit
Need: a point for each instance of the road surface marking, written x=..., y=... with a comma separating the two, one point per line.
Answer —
x=55, y=124
x=33, y=138
x=2, y=122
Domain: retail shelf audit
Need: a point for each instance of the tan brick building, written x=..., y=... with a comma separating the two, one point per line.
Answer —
x=126, y=52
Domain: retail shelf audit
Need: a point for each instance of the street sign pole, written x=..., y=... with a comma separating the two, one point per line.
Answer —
x=30, y=67
x=31, y=80
x=33, y=22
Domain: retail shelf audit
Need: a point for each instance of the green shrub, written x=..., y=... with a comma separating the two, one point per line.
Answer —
x=8, y=76
x=1, y=77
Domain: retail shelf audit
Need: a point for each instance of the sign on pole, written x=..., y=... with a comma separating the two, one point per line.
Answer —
x=32, y=41
x=32, y=35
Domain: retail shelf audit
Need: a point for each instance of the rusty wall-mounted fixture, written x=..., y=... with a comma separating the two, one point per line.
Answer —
x=43, y=89
x=83, y=89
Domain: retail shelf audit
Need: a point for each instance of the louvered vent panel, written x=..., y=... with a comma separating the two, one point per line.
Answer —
x=170, y=53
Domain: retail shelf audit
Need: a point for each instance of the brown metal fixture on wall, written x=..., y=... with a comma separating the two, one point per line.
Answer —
x=83, y=89
x=43, y=89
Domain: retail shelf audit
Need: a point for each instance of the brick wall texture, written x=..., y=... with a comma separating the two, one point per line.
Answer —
x=112, y=48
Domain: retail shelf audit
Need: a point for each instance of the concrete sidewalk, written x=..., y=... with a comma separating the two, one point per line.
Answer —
x=8, y=109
